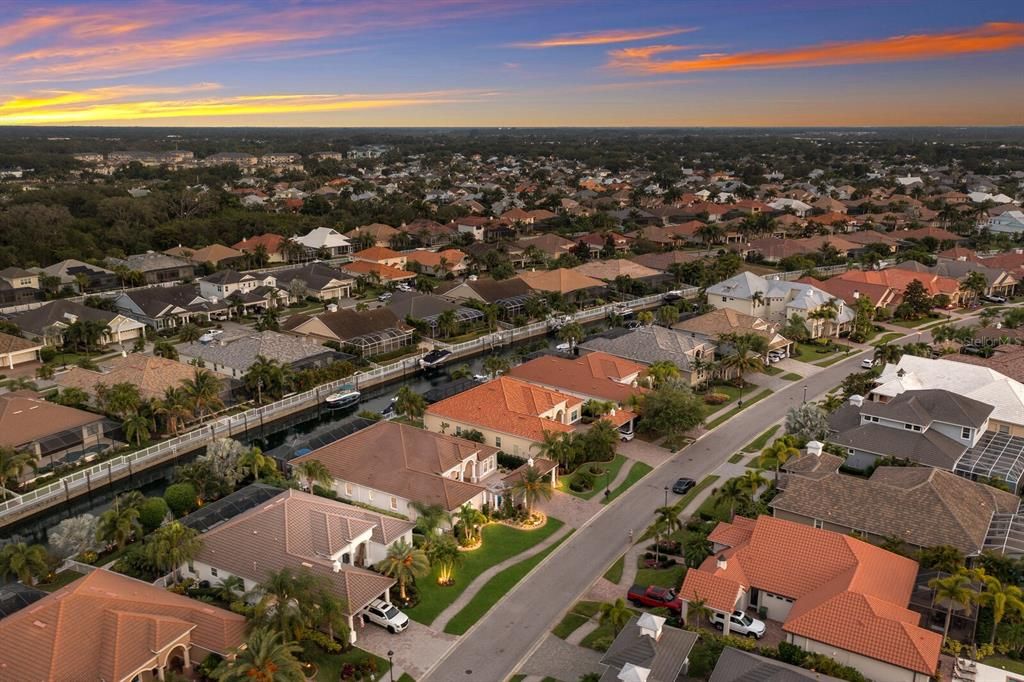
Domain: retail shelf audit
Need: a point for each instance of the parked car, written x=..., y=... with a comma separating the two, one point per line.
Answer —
x=740, y=624
x=386, y=615
x=776, y=355
x=994, y=299
x=404, y=287
x=210, y=336
x=867, y=363
x=626, y=433
x=385, y=297
x=654, y=596
x=683, y=486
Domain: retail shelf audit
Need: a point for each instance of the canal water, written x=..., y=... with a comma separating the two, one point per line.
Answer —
x=288, y=434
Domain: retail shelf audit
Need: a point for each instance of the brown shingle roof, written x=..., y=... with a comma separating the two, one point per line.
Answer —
x=561, y=280
x=26, y=418
x=403, y=460
x=289, y=532
x=150, y=373
x=14, y=344
x=107, y=626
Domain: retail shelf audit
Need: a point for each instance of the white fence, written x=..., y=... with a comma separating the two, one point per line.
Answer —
x=225, y=426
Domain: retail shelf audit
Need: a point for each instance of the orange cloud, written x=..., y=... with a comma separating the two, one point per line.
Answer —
x=104, y=105
x=990, y=37
x=604, y=37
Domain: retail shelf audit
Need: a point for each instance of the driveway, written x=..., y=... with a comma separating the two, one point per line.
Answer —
x=415, y=650
x=511, y=631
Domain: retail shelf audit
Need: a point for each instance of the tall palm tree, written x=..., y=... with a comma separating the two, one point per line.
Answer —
x=254, y=463
x=137, y=427
x=445, y=555
x=470, y=518
x=430, y=518
x=410, y=403
x=888, y=353
x=745, y=354
x=118, y=525
x=447, y=323
x=666, y=522
x=172, y=545
x=698, y=610
x=265, y=657
x=752, y=481
x=313, y=471
x=615, y=614
x=120, y=399
x=778, y=453
x=572, y=334
x=203, y=391
x=663, y=371
x=955, y=590
x=557, y=447
x=495, y=365
x=404, y=563
x=532, y=486
x=267, y=377
x=733, y=491
x=26, y=562
x=13, y=463
x=173, y=408
x=1001, y=597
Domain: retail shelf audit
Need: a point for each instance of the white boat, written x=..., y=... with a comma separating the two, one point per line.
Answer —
x=434, y=358
x=343, y=398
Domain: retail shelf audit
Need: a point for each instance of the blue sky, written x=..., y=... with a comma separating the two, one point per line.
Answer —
x=518, y=62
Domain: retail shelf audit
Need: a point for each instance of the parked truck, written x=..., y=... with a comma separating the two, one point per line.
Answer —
x=655, y=596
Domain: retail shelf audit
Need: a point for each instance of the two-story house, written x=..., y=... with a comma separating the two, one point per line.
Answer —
x=324, y=240
x=652, y=344
x=315, y=280
x=49, y=322
x=778, y=301
x=157, y=268
x=18, y=286
x=511, y=414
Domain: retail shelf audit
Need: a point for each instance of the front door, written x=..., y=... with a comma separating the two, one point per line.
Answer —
x=754, y=596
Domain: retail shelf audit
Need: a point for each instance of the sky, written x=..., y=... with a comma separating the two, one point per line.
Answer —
x=513, y=63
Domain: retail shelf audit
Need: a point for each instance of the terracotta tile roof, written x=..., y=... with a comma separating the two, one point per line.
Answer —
x=561, y=280
x=847, y=593
x=379, y=231
x=934, y=232
x=595, y=375
x=728, y=321
x=297, y=530
x=619, y=267
x=107, y=626
x=404, y=461
x=150, y=373
x=452, y=257
x=214, y=253
x=898, y=279
x=879, y=294
x=26, y=418
x=376, y=253
x=507, y=405
x=387, y=273
x=15, y=344
x=272, y=242
x=716, y=592
x=732, y=534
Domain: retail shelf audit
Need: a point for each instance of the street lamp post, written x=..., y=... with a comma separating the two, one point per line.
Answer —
x=805, y=393
x=666, y=496
x=391, y=664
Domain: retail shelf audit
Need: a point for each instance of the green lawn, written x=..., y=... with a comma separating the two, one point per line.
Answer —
x=493, y=590
x=838, y=357
x=758, y=443
x=406, y=677
x=736, y=458
x=772, y=371
x=728, y=389
x=636, y=472
x=689, y=497
x=60, y=580
x=746, y=403
x=808, y=352
x=888, y=338
x=330, y=664
x=500, y=542
x=568, y=625
x=912, y=324
x=600, y=638
x=792, y=376
x=664, y=577
x=1005, y=663
x=612, y=469
x=614, y=573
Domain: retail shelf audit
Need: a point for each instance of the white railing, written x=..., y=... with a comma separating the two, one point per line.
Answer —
x=224, y=426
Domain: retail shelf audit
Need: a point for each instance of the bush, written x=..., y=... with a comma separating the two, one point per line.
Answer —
x=509, y=461
x=716, y=398
x=152, y=513
x=180, y=498
x=473, y=435
x=582, y=482
x=47, y=353
x=602, y=643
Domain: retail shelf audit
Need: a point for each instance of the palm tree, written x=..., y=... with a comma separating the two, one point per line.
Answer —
x=445, y=555
x=955, y=590
x=189, y=333
x=430, y=518
x=572, y=334
x=698, y=610
x=616, y=615
x=645, y=317
x=696, y=549
x=313, y=471
x=286, y=601
x=404, y=563
x=744, y=356
x=663, y=371
x=778, y=453
x=265, y=657
x=495, y=365
x=118, y=525
x=733, y=491
x=165, y=349
x=460, y=372
x=172, y=545
x=470, y=518
x=230, y=588
x=173, y=407
x=136, y=428
x=120, y=399
x=13, y=463
x=203, y=391
x=666, y=522
x=1001, y=598
x=254, y=463
x=447, y=323
x=888, y=353
x=410, y=403
x=752, y=481
x=532, y=486
x=267, y=377
x=557, y=447
x=27, y=562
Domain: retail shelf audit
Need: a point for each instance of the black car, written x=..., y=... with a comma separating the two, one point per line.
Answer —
x=683, y=486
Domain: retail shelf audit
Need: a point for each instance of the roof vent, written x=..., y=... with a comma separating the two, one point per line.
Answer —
x=815, y=448
x=857, y=400
x=721, y=563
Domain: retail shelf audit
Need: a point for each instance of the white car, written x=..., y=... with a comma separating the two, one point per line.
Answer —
x=404, y=287
x=740, y=624
x=867, y=363
x=209, y=336
x=626, y=436
x=386, y=615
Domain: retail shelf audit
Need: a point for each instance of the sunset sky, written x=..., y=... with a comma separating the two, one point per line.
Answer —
x=513, y=63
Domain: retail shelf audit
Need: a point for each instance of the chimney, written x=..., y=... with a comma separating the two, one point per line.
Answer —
x=857, y=400
x=815, y=448
x=721, y=563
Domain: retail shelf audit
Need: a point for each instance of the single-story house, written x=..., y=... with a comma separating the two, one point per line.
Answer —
x=366, y=332
x=15, y=350
x=54, y=432
x=235, y=356
x=317, y=280
x=48, y=323
x=166, y=307
x=654, y=344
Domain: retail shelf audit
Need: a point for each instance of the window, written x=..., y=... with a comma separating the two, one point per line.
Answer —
x=818, y=523
x=1004, y=428
x=191, y=568
x=966, y=433
x=394, y=502
x=497, y=441
x=458, y=430
x=348, y=489
x=213, y=572
x=575, y=415
x=369, y=495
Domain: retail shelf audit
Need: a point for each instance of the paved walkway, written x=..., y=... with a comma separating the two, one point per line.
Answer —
x=577, y=635
x=478, y=583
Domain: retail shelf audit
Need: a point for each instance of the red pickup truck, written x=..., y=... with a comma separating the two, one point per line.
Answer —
x=654, y=596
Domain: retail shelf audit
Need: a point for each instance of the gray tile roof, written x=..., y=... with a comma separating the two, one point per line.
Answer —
x=741, y=666
x=242, y=352
x=651, y=344
x=60, y=311
x=665, y=657
x=930, y=447
x=928, y=405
